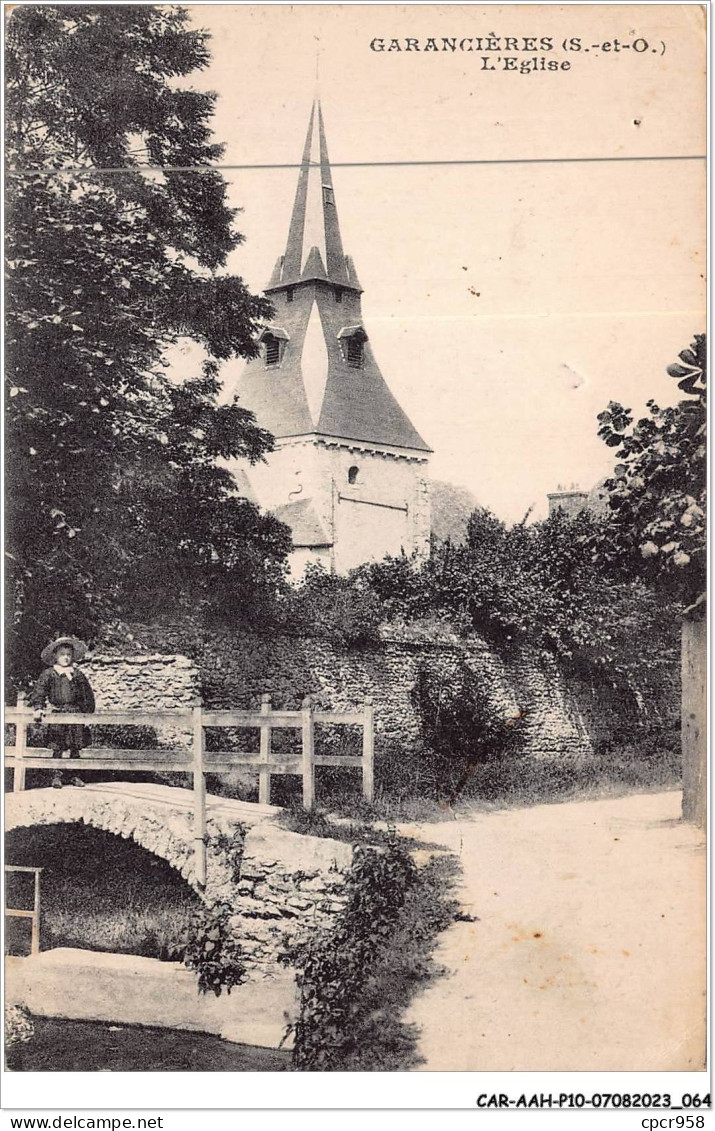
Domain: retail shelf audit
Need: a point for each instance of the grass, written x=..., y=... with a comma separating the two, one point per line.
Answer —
x=543, y=780
x=354, y=830
x=99, y=892
x=93, y=1046
x=408, y=788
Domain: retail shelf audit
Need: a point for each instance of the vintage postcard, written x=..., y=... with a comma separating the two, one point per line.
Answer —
x=355, y=533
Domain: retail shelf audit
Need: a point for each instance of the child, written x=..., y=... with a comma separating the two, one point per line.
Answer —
x=66, y=689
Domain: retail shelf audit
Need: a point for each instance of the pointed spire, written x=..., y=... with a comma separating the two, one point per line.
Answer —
x=315, y=248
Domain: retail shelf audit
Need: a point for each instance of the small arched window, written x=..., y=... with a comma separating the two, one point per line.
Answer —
x=290, y=294
x=353, y=474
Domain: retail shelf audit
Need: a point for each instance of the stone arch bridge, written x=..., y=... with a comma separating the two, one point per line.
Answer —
x=278, y=883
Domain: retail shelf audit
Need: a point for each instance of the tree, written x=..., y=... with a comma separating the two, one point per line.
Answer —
x=461, y=726
x=334, y=607
x=657, y=531
x=451, y=507
x=116, y=502
x=541, y=586
x=657, y=492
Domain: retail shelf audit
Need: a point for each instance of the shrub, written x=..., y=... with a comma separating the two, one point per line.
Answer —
x=333, y=970
x=125, y=737
x=19, y=1028
x=461, y=726
x=324, y=604
x=356, y=981
x=232, y=849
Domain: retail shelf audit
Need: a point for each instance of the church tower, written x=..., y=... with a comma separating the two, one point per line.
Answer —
x=349, y=473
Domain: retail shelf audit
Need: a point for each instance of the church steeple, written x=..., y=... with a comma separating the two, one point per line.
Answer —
x=315, y=248
x=349, y=469
x=317, y=374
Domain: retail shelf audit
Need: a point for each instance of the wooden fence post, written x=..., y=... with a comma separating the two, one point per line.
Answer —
x=264, y=774
x=368, y=751
x=18, y=777
x=35, y=943
x=199, y=797
x=308, y=752
x=694, y=718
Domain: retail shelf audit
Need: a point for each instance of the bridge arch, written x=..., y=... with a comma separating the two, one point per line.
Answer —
x=163, y=831
x=276, y=882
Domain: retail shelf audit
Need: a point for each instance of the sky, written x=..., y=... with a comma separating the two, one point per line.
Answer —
x=508, y=301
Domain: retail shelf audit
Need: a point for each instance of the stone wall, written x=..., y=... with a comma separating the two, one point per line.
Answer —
x=561, y=715
x=290, y=888
x=146, y=680
x=235, y=670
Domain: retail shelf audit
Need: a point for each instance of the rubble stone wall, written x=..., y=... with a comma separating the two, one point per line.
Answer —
x=235, y=670
x=561, y=716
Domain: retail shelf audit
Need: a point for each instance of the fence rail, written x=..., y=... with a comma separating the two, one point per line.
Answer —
x=34, y=913
x=193, y=757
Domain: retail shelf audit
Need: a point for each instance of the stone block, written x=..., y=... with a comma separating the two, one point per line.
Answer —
x=296, y=852
x=316, y=885
x=129, y=990
x=299, y=904
x=257, y=909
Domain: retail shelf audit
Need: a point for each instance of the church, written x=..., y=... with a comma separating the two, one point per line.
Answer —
x=349, y=470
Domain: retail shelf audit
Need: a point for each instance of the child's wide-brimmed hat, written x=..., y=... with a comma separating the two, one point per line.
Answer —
x=79, y=649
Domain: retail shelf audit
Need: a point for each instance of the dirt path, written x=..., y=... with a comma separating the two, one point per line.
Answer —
x=589, y=949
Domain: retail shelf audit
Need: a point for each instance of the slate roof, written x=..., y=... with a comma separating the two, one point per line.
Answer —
x=306, y=527
x=352, y=403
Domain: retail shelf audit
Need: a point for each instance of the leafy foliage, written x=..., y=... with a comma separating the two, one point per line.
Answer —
x=450, y=507
x=231, y=847
x=657, y=492
x=117, y=501
x=333, y=971
x=542, y=585
x=357, y=981
x=213, y=951
x=339, y=608
x=381, y=1041
x=19, y=1027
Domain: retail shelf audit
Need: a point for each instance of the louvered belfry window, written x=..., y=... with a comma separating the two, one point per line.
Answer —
x=355, y=352
x=273, y=350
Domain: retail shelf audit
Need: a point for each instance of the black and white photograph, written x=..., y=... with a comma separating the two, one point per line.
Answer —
x=355, y=555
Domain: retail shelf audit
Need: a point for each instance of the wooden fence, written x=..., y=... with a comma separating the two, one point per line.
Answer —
x=33, y=913
x=194, y=758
